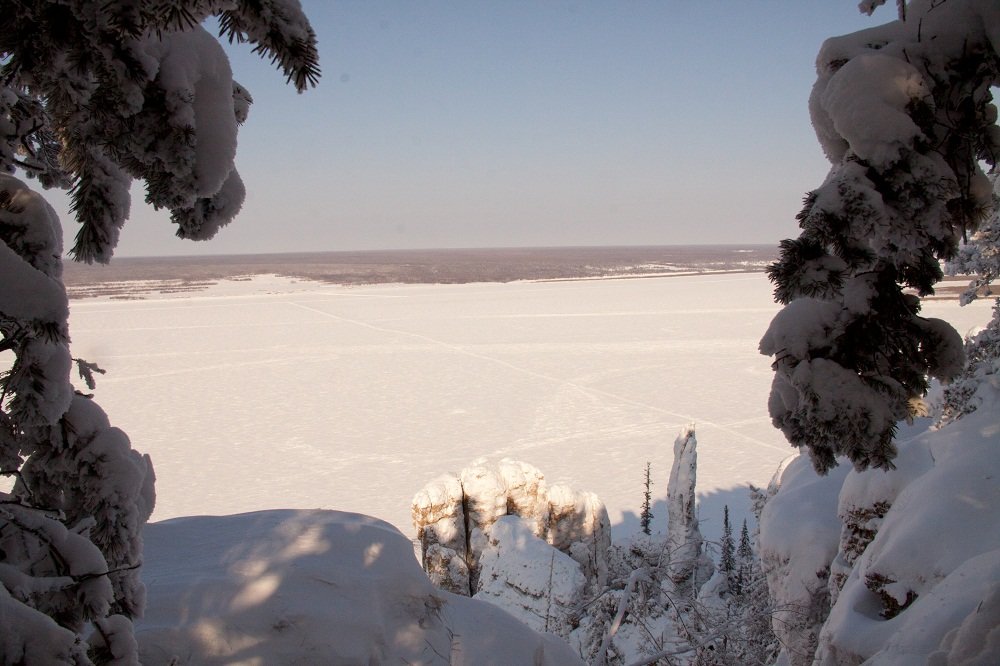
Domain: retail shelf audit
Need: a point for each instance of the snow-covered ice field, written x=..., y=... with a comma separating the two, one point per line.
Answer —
x=274, y=393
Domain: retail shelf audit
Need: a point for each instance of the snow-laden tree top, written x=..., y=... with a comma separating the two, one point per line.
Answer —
x=905, y=114
x=95, y=94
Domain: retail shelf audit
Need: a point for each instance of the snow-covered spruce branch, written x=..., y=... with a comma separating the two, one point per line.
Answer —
x=86, y=369
x=10, y=500
x=100, y=574
x=60, y=583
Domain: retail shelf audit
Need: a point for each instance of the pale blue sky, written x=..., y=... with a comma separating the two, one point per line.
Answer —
x=526, y=123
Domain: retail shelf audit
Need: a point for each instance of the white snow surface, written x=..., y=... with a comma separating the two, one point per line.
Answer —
x=313, y=587
x=800, y=529
x=275, y=393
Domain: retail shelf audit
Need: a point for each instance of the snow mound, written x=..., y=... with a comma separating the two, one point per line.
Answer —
x=799, y=534
x=891, y=567
x=284, y=586
x=934, y=564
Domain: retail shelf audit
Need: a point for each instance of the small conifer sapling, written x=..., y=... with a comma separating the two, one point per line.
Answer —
x=646, y=517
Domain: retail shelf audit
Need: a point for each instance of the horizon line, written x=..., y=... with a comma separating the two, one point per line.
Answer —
x=70, y=261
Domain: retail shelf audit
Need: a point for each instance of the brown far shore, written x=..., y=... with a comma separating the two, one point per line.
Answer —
x=135, y=277
x=445, y=266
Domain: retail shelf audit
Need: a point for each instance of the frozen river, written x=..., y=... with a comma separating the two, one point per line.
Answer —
x=275, y=393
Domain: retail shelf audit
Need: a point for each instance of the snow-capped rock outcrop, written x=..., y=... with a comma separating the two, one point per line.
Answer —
x=484, y=532
x=579, y=526
x=439, y=516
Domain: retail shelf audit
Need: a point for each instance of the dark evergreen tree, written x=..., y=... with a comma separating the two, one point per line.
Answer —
x=727, y=559
x=745, y=549
x=92, y=95
x=905, y=114
x=744, y=554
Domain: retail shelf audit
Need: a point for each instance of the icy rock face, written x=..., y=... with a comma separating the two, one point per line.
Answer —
x=456, y=517
x=579, y=526
x=446, y=568
x=316, y=587
x=530, y=579
x=689, y=566
x=439, y=515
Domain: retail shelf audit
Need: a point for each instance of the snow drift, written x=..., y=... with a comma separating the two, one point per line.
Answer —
x=283, y=587
x=892, y=567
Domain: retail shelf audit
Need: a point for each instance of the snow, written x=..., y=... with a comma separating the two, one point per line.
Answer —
x=27, y=631
x=351, y=398
x=800, y=526
x=800, y=326
x=194, y=73
x=521, y=573
x=273, y=393
x=296, y=587
x=194, y=174
x=892, y=567
x=951, y=360
x=869, y=114
x=408, y=381
x=948, y=492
